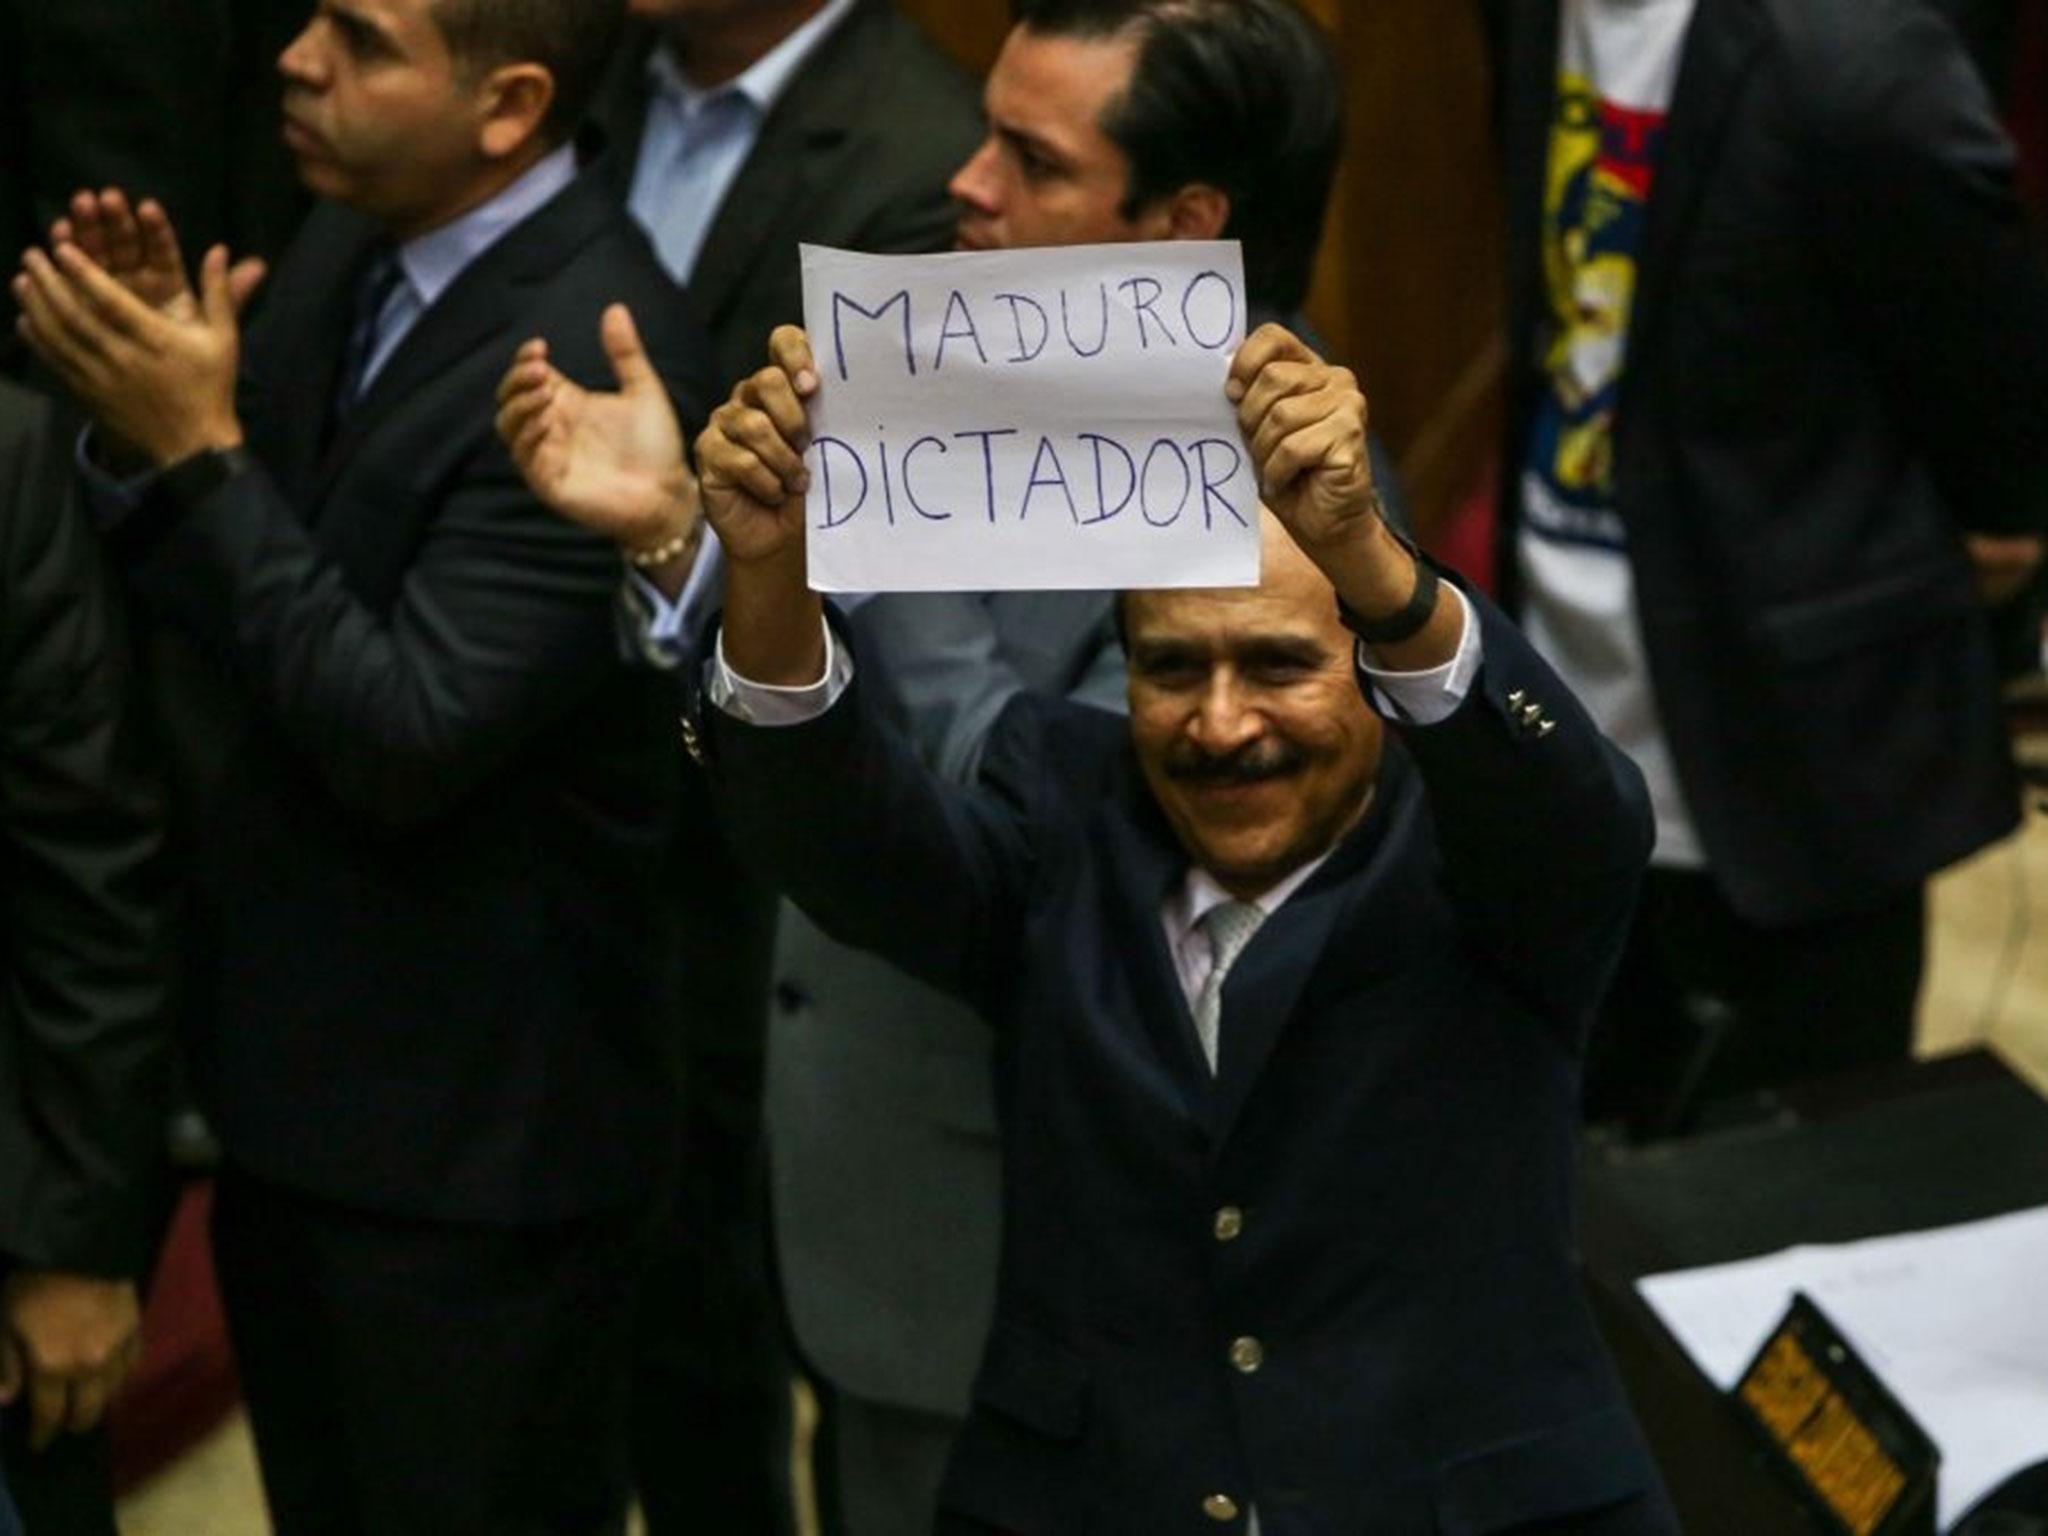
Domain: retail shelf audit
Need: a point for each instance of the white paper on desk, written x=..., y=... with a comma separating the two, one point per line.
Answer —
x=1041, y=419
x=1954, y=1321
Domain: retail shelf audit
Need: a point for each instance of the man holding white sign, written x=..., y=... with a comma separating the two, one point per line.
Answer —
x=1109, y=121
x=1290, y=1012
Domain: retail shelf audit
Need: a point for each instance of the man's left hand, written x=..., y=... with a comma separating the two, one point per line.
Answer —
x=1304, y=421
x=2005, y=564
x=160, y=381
x=67, y=1342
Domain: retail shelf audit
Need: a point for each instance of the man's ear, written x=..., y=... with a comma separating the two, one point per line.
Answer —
x=1198, y=211
x=513, y=102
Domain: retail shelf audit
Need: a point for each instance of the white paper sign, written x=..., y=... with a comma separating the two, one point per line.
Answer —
x=1043, y=419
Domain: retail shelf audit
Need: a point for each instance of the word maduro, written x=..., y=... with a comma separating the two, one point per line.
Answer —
x=1020, y=326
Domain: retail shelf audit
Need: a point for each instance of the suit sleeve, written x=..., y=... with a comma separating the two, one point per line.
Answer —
x=878, y=850
x=1544, y=826
x=504, y=620
x=1924, y=236
x=84, y=1056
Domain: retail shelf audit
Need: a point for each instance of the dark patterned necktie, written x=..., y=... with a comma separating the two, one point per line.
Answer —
x=379, y=281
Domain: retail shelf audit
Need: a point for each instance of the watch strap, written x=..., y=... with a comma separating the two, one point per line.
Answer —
x=1407, y=622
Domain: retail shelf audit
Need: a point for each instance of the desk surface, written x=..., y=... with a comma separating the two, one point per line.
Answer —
x=1939, y=1143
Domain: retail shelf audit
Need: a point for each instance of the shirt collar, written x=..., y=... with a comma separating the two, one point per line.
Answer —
x=1199, y=894
x=763, y=81
x=434, y=260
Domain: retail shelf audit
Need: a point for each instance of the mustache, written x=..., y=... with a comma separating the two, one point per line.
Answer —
x=1255, y=760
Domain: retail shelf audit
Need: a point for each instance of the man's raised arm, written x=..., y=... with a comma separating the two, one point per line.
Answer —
x=1305, y=423
x=750, y=463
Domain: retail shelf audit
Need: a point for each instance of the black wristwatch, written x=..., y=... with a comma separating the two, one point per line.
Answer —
x=191, y=480
x=1413, y=614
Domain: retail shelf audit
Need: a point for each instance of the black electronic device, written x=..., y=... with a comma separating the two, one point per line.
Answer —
x=1860, y=1463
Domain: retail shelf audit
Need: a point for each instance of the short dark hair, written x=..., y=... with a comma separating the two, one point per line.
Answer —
x=1241, y=94
x=572, y=39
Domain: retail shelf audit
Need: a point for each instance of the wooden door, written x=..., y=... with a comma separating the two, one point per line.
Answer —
x=1409, y=282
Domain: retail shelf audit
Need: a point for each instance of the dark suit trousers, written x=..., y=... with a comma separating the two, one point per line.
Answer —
x=423, y=1377
x=65, y=1490
x=1707, y=1005
x=1648, y=1514
x=711, y=1388
x=712, y=1417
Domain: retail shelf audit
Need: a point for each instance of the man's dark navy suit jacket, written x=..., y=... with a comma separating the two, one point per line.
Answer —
x=1393, y=1115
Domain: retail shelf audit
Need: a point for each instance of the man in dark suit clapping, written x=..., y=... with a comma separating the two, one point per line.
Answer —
x=426, y=804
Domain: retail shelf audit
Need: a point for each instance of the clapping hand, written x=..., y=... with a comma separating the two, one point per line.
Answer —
x=110, y=310
x=135, y=246
x=611, y=462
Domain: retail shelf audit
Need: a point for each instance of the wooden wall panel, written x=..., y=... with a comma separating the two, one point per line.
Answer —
x=1417, y=265
x=1409, y=282
x=971, y=30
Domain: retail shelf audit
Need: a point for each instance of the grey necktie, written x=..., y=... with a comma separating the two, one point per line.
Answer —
x=1228, y=927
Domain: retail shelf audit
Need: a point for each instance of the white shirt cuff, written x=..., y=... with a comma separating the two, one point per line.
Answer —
x=769, y=704
x=1424, y=698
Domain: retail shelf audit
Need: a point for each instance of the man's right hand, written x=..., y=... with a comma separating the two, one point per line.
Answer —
x=68, y=1341
x=611, y=462
x=136, y=246
x=751, y=457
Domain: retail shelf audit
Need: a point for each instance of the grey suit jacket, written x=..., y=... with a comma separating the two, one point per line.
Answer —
x=857, y=153
x=882, y=1134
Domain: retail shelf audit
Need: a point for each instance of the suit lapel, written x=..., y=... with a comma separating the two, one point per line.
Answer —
x=296, y=345
x=620, y=115
x=1264, y=990
x=480, y=305
x=810, y=119
x=1143, y=864
x=1725, y=38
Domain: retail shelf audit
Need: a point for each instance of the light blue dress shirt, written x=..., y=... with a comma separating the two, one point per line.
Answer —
x=696, y=140
x=429, y=264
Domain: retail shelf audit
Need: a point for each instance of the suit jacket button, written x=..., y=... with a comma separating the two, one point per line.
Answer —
x=692, y=743
x=1531, y=713
x=1247, y=1355
x=1515, y=698
x=1220, y=1507
x=1229, y=1224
